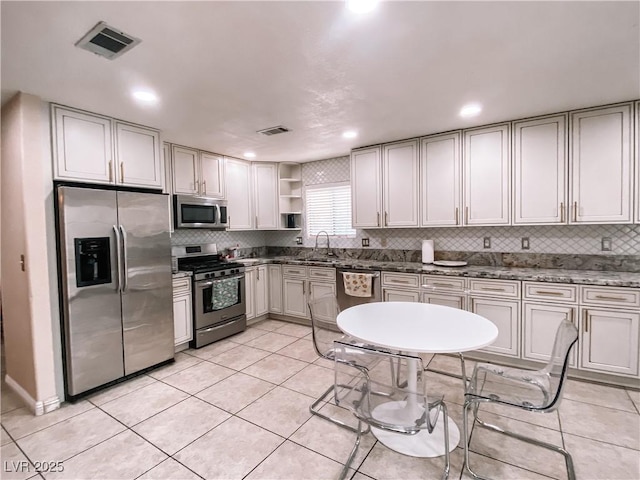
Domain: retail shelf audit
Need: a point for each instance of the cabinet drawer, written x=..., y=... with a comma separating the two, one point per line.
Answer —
x=294, y=271
x=322, y=273
x=610, y=296
x=501, y=288
x=551, y=292
x=438, y=282
x=400, y=279
x=181, y=285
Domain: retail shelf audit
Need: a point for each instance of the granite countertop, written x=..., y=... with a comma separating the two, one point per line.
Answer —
x=181, y=274
x=583, y=277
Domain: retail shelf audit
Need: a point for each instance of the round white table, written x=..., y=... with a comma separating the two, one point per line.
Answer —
x=416, y=328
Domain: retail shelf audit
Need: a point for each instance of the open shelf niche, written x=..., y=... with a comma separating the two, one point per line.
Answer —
x=290, y=188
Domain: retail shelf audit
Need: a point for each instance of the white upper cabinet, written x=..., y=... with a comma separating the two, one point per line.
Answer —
x=265, y=194
x=211, y=175
x=637, y=143
x=601, y=165
x=185, y=170
x=539, y=170
x=440, y=180
x=138, y=156
x=197, y=173
x=96, y=149
x=238, y=188
x=366, y=187
x=400, y=183
x=486, y=175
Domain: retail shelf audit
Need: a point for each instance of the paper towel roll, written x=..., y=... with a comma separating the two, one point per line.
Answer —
x=427, y=251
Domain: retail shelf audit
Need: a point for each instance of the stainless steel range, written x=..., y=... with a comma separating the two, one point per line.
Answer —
x=218, y=294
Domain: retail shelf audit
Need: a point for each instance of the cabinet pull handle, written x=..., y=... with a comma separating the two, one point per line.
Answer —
x=457, y=212
x=605, y=297
x=492, y=289
x=303, y=287
x=585, y=319
x=258, y=275
x=378, y=219
x=204, y=187
x=229, y=221
x=575, y=211
x=197, y=185
x=544, y=292
x=110, y=171
x=386, y=220
x=122, y=171
x=404, y=282
x=561, y=212
x=571, y=316
x=466, y=215
x=436, y=284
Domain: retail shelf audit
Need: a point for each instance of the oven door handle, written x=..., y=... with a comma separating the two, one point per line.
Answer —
x=208, y=283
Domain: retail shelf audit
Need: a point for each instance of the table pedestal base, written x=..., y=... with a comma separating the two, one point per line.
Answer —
x=423, y=443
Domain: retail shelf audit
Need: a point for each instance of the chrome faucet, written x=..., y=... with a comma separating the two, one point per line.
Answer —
x=329, y=253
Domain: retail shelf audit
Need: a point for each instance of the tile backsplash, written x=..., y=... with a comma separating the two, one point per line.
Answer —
x=560, y=239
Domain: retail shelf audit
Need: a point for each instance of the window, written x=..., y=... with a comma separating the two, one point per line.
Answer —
x=328, y=208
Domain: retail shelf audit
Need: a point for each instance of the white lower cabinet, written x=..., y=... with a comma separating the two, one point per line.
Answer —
x=391, y=295
x=609, y=340
x=505, y=314
x=448, y=300
x=182, y=314
x=321, y=289
x=257, y=291
x=275, y=288
x=540, y=322
x=295, y=297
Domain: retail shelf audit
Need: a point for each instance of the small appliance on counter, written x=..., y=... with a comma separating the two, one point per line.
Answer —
x=427, y=251
x=218, y=293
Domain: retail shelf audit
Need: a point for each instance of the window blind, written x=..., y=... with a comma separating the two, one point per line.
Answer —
x=328, y=208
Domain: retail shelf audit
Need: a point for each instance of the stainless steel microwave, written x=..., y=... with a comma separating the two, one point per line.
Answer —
x=199, y=212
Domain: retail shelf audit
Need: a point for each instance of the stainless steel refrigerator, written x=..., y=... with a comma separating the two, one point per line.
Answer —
x=116, y=290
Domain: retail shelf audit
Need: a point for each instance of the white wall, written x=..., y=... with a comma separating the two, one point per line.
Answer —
x=26, y=220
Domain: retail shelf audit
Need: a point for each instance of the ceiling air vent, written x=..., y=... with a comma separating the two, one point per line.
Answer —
x=274, y=130
x=107, y=41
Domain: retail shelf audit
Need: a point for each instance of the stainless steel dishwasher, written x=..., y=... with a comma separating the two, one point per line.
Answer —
x=346, y=301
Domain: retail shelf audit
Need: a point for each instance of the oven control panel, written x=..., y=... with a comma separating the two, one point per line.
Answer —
x=219, y=273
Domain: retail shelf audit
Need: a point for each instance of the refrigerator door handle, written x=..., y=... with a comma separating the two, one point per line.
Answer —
x=125, y=261
x=118, y=258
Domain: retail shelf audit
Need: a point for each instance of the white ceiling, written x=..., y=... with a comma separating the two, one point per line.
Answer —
x=224, y=70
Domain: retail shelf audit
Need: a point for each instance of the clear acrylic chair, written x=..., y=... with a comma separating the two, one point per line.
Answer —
x=530, y=390
x=378, y=401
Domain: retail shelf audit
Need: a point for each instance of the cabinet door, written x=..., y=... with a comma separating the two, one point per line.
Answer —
x=486, y=176
x=275, y=288
x=440, y=180
x=295, y=297
x=400, y=184
x=601, y=156
x=211, y=175
x=183, y=329
x=239, y=193
x=390, y=295
x=185, y=170
x=637, y=155
x=265, y=194
x=540, y=324
x=505, y=315
x=366, y=185
x=250, y=291
x=540, y=165
x=261, y=297
x=448, y=300
x=321, y=289
x=166, y=162
x=609, y=340
x=138, y=156
x=83, y=146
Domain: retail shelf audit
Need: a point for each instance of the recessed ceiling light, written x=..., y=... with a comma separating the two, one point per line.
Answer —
x=350, y=134
x=361, y=6
x=145, y=96
x=249, y=155
x=470, y=110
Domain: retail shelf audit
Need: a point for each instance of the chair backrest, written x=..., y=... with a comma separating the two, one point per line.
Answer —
x=558, y=366
x=324, y=329
x=366, y=385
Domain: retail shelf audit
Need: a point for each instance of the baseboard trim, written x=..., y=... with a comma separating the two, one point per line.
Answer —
x=37, y=407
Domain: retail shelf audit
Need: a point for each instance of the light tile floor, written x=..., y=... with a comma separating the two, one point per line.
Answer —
x=239, y=409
